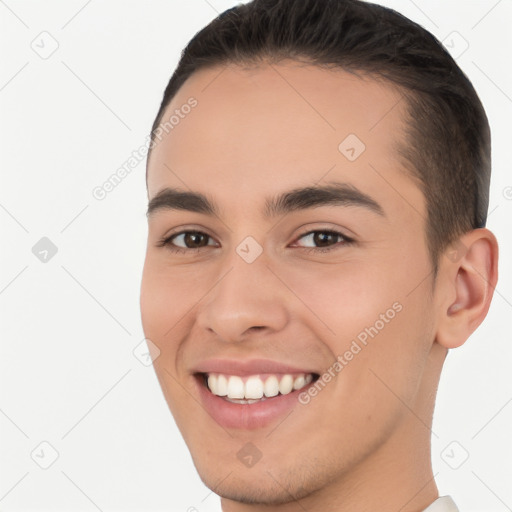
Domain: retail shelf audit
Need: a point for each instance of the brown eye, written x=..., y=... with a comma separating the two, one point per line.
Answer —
x=194, y=239
x=187, y=241
x=323, y=239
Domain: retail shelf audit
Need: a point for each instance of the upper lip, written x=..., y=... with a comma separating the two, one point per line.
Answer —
x=246, y=367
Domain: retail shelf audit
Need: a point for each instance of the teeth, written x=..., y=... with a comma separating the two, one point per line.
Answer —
x=299, y=382
x=271, y=386
x=212, y=382
x=236, y=401
x=236, y=388
x=222, y=386
x=286, y=385
x=254, y=388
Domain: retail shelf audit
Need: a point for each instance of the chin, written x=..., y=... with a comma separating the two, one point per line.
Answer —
x=263, y=485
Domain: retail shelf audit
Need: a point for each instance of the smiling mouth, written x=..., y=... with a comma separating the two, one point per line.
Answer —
x=250, y=389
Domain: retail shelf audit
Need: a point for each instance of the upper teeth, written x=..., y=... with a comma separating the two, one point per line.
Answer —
x=254, y=386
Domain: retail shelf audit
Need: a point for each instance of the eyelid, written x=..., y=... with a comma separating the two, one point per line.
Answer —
x=347, y=234
x=186, y=228
x=347, y=240
x=165, y=240
x=310, y=227
x=182, y=233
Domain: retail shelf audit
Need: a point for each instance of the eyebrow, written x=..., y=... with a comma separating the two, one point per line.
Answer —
x=334, y=193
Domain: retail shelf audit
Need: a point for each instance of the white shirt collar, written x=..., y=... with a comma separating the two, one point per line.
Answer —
x=442, y=504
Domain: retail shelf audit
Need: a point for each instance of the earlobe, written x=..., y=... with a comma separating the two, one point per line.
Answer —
x=469, y=281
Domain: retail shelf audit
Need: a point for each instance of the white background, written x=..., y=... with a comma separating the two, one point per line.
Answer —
x=68, y=375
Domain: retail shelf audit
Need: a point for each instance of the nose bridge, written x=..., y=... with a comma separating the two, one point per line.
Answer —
x=246, y=295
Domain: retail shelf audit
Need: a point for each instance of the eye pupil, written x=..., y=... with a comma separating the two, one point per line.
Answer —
x=322, y=238
x=193, y=239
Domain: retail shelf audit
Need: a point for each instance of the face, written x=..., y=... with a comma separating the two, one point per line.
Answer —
x=286, y=251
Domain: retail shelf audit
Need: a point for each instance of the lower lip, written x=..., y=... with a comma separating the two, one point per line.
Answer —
x=246, y=416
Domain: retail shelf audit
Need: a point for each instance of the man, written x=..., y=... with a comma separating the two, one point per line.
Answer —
x=318, y=188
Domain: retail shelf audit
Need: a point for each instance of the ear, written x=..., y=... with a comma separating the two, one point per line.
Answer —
x=469, y=273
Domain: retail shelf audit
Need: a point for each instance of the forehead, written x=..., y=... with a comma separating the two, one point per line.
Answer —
x=259, y=129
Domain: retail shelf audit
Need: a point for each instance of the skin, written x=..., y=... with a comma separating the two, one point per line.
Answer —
x=364, y=442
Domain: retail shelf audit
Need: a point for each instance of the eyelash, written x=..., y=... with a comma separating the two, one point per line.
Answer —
x=167, y=241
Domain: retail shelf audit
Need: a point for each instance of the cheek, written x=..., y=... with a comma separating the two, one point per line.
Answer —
x=154, y=300
x=351, y=296
x=368, y=316
x=163, y=303
x=167, y=294
x=346, y=298
x=160, y=316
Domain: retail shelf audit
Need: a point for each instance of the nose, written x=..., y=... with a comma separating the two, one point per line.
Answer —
x=247, y=298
